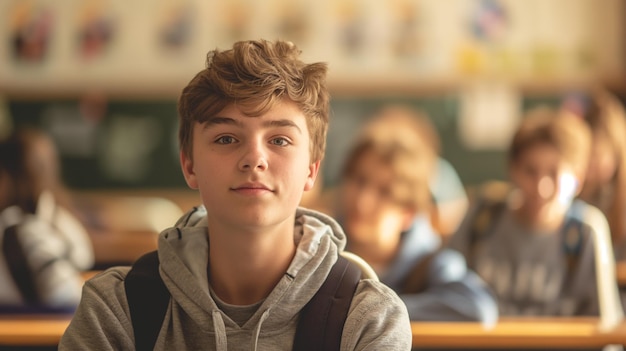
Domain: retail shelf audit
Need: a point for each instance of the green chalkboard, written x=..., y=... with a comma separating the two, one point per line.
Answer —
x=133, y=144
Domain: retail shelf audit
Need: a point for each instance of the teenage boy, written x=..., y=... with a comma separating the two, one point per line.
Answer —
x=536, y=246
x=384, y=207
x=240, y=269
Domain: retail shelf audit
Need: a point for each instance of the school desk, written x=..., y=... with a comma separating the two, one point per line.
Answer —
x=565, y=333
x=531, y=332
x=32, y=330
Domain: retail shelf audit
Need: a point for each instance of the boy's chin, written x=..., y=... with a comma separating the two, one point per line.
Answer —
x=543, y=211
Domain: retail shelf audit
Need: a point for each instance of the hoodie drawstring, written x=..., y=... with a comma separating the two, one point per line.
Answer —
x=220, y=332
x=258, y=328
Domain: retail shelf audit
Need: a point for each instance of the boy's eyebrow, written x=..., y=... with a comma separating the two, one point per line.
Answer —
x=282, y=123
x=272, y=123
x=221, y=120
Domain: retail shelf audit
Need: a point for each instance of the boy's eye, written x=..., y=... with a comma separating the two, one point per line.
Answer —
x=225, y=139
x=279, y=141
x=360, y=181
x=530, y=171
x=385, y=192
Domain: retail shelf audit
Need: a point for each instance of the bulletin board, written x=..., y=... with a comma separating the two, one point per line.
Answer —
x=149, y=47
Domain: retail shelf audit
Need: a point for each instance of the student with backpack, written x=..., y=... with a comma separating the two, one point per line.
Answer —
x=535, y=245
x=241, y=271
x=43, y=246
x=384, y=203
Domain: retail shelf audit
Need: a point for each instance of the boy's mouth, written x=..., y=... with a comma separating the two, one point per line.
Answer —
x=252, y=188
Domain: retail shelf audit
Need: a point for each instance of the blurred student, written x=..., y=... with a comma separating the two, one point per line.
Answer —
x=535, y=246
x=449, y=199
x=239, y=272
x=44, y=247
x=384, y=206
x=605, y=183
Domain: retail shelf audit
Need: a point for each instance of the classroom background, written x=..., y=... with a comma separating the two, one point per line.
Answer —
x=102, y=77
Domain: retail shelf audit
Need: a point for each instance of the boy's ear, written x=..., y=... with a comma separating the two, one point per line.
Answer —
x=313, y=170
x=188, y=170
x=408, y=217
x=580, y=181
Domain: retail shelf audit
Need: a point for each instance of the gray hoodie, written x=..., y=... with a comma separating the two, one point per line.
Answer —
x=377, y=320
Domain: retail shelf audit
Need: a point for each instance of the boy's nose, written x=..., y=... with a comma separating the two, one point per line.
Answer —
x=546, y=187
x=254, y=157
x=366, y=201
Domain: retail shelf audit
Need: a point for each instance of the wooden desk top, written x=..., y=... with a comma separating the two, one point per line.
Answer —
x=564, y=333
x=32, y=330
x=571, y=333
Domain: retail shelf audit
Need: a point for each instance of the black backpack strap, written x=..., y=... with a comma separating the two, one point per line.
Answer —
x=322, y=319
x=482, y=226
x=147, y=300
x=17, y=262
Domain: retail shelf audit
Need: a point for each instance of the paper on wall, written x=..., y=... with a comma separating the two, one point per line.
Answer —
x=489, y=115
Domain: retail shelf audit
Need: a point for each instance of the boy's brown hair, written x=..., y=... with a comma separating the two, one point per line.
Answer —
x=569, y=135
x=407, y=143
x=255, y=75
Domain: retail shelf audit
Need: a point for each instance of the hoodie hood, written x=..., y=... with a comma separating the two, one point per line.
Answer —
x=184, y=257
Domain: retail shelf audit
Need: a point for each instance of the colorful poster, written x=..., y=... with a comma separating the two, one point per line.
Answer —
x=175, y=26
x=95, y=31
x=30, y=31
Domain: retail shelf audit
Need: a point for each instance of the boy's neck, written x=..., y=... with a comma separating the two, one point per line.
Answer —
x=593, y=191
x=245, y=266
x=546, y=219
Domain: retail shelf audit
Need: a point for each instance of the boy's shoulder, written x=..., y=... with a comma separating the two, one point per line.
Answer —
x=583, y=211
x=105, y=290
x=372, y=303
x=586, y=215
x=108, y=278
x=373, y=297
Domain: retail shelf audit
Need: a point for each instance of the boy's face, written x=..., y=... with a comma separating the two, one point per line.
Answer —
x=370, y=214
x=251, y=171
x=546, y=181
